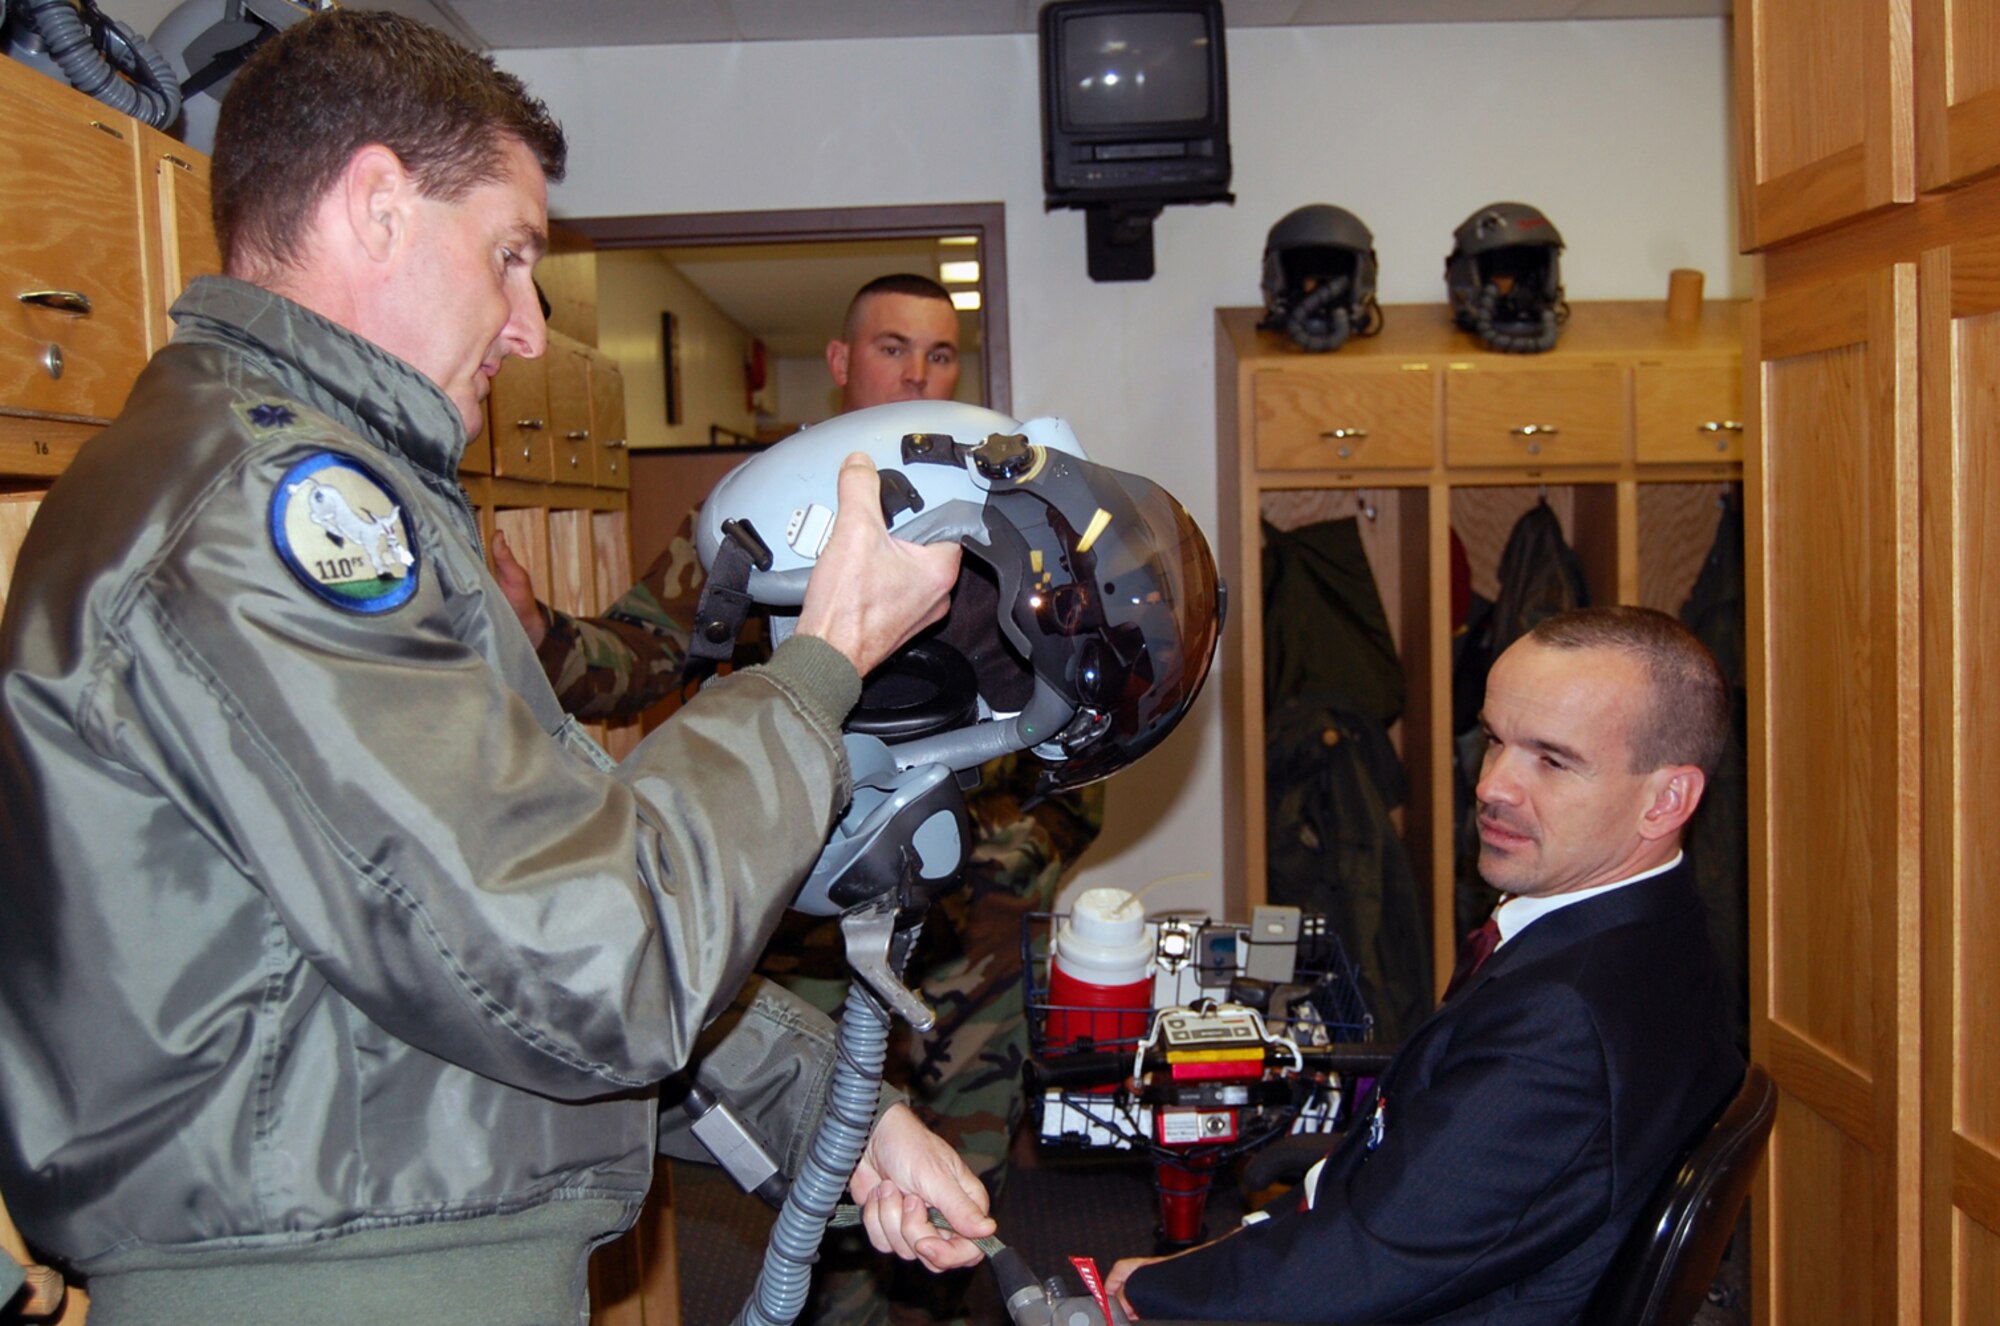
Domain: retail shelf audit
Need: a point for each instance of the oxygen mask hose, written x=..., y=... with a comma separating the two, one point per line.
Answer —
x=863, y=1041
x=1028, y=1300
x=862, y=1046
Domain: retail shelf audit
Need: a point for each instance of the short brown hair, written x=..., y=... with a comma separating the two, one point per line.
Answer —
x=1689, y=718
x=335, y=82
x=895, y=283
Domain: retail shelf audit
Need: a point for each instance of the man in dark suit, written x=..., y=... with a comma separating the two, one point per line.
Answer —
x=1507, y=1147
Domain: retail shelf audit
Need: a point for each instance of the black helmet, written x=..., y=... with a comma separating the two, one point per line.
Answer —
x=1319, y=278
x=1505, y=278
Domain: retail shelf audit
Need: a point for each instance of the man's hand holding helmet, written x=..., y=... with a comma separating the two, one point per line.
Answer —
x=870, y=593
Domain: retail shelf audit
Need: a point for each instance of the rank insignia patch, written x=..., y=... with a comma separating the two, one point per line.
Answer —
x=339, y=528
x=266, y=417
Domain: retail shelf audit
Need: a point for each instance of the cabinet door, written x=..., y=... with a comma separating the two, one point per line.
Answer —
x=186, y=224
x=1958, y=91
x=1824, y=113
x=73, y=314
x=1687, y=412
x=570, y=446
x=1336, y=419
x=607, y=421
x=1834, y=856
x=1960, y=355
x=518, y=422
x=1528, y=416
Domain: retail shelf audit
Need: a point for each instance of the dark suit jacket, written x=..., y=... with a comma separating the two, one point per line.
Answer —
x=1523, y=1124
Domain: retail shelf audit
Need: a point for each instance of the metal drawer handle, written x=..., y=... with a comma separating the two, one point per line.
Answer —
x=1535, y=430
x=1719, y=426
x=615, y=443
x=577, y=435
x=532, y=425
x=62, y=301
x=1341, y=434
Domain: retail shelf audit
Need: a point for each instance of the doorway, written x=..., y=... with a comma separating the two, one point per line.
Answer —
x=696, y=401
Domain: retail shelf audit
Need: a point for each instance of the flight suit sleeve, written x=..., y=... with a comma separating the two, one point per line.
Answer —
x=451, y=870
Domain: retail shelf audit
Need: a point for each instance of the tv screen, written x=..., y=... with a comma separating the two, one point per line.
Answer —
x=1135, y=69
x=1135, y=101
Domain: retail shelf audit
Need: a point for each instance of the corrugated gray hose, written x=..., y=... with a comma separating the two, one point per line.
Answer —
x=155, y=98
x=863, y=1042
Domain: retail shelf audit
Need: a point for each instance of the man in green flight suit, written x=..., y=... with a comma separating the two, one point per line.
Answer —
x=899, y=342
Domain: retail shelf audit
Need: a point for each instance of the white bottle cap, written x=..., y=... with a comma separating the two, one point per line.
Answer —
x=1105, y=940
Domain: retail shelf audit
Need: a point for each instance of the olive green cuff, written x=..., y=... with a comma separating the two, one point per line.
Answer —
x=822, y=677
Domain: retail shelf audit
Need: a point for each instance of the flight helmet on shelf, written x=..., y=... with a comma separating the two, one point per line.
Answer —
x=1505, y=278
x=1319, y=278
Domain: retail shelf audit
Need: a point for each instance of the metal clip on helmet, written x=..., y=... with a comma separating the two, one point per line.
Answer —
x=1319, y=278
x=1505, y=278
x=1085, y=618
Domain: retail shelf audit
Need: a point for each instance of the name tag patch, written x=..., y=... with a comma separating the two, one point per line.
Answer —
x=339, y=528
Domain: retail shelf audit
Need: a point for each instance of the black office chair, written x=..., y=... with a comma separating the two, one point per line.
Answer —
x=1662, y=1272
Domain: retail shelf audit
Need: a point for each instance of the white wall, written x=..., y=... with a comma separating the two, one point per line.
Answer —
x=633, y=289
x=1619, y=130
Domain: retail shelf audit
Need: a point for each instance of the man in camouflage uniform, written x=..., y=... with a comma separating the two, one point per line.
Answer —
x=899, y=342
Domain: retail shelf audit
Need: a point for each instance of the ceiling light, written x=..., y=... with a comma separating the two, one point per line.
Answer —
x=965, y=301
x=958, y=241
x=959, y=273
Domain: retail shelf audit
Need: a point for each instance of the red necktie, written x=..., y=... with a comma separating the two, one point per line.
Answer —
x=1479, y=945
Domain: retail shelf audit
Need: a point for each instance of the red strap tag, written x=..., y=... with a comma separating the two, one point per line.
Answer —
x=1086, y=1267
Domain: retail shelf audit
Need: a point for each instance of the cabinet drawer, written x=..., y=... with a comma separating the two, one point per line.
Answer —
x=1688, y=413
x=72, y=291
x=478, y=457
x=574, y=457
x=607, y=422
x=518, y=414
x=1365, y=420
x=1533, y=416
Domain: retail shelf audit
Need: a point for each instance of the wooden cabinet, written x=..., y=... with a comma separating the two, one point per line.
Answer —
x=557, y=486
x=1687, y=412
x=1875, y=346
x=1836, y=566
x=1825, y=125
x=558, y=419
x=1958, y=312
x=611, y=465
x=517, y=422
x=74, y=309
x=183, y=239
x=1422, y=432
x=1380, y=419
x=573, y=458
x=1509, y=413
x=1958, y=91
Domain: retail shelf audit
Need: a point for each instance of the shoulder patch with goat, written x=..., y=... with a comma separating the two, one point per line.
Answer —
x=339, y=528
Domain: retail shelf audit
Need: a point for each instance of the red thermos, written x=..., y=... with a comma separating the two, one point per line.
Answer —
x=1101, y=973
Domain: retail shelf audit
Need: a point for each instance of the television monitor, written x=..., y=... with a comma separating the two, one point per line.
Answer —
x=1135, y=102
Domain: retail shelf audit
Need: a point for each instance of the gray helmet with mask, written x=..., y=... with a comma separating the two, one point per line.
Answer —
x=1319, y=278
x=1504, y=277
x=1086, y=616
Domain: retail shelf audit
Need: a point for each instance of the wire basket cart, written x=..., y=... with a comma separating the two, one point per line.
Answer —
x=1243, y=1042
